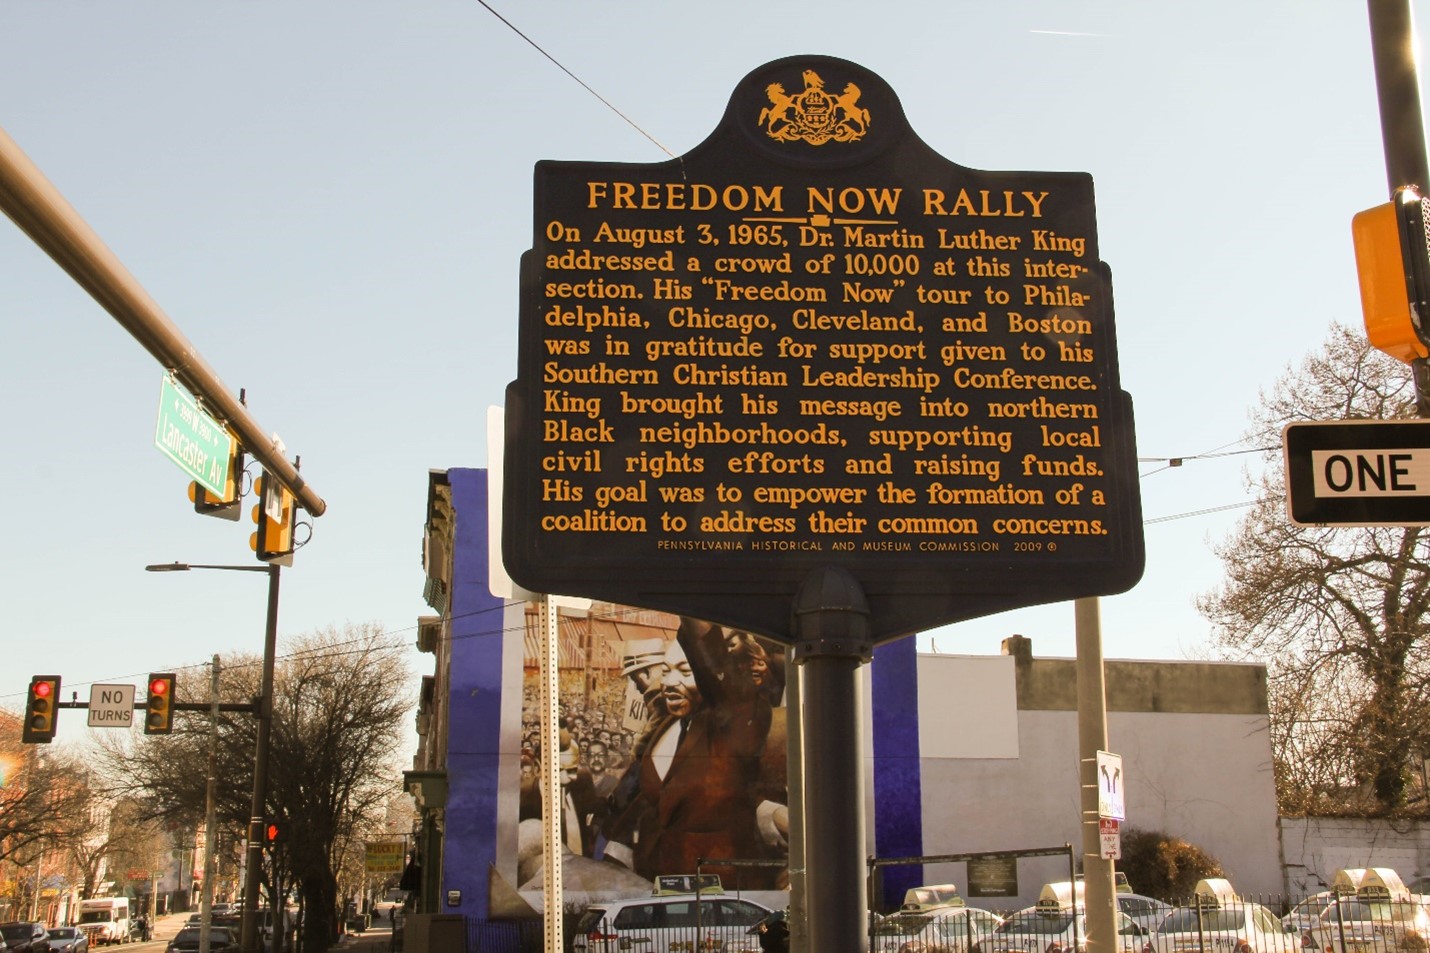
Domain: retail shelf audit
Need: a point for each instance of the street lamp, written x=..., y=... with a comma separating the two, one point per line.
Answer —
x=253, y=869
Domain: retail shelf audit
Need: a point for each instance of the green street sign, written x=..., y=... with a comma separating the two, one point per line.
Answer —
x=200, y=445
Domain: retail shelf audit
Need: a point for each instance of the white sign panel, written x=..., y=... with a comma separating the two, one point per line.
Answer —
x=1109, y=786
x=1403, y=471
x=111, y=706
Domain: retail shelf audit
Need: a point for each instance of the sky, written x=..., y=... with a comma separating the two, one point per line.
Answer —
x=330, y=200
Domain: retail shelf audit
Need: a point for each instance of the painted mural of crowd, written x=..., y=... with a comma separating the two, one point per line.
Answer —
x=701, y=775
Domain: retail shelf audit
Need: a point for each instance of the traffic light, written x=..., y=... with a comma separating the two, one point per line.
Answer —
x=275, y=513
x=229, y=505
x=271, y=834
x=40, y=710
x=1393, y=265
x=159, y=709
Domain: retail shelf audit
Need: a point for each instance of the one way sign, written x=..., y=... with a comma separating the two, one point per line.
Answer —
x=1358, y=472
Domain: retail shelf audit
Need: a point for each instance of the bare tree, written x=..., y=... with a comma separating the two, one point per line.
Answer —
x=340, y=698
x=42, y=794
x=1340, y=615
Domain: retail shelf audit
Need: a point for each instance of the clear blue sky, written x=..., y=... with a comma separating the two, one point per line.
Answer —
x=330, y=200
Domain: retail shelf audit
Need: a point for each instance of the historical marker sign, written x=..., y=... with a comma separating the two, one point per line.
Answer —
x=813, y=341
x=1358, y=472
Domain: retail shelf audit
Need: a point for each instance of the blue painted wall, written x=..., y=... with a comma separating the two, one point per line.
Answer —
x=898, y=791
x=474, y=703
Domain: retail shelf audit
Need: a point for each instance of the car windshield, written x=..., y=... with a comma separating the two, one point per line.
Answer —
x=1184, y=920
x=591, y=919
x=15, y=931
x=1037, y=921
x=63, y=933
x=94, y=916
x=1378, y=911
x=902, y=924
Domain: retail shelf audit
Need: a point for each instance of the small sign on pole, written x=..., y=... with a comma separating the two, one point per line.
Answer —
x=1109, y=786
x=111, y=706
x=1110, y=834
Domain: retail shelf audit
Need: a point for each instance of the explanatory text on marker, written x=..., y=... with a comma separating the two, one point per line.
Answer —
x=849, y=351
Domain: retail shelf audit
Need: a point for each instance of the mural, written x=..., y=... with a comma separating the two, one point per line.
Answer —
x=673, y=748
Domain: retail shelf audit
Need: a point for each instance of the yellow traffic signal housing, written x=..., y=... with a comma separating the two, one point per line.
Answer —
x=276, y=514
x=1391, y=262
x=40, y=710
x=159, y=708
x=228, y=506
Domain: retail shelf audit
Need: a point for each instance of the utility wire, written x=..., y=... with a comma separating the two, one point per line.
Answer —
x=536, y=46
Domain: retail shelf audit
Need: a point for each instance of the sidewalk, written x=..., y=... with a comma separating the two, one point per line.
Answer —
x=376, y=939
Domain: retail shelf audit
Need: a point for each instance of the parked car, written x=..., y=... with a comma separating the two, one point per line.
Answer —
x=221, y=940
x=1219, y=920
x=1357, y=925
x=1146, y=912
x=667, y=924
x=946, y=930
x=1056, y=923
x=68, y=940
x=23, y=936
x=1305, y=915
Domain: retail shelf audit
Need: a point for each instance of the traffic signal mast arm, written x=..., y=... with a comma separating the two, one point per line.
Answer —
x=32, y=201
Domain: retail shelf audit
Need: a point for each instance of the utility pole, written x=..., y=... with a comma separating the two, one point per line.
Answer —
x=206, y=899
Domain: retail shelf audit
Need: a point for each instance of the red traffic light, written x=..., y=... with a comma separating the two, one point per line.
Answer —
x=44, y=689
x=159, y=686
x=270, y=833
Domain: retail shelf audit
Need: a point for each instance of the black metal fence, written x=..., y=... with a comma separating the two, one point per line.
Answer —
x=1262, y=924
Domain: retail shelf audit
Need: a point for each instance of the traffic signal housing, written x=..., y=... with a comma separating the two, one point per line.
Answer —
x=40, y=710
x=276, y=514
x=228, y=505
x=159, y=708
x=1393, y=265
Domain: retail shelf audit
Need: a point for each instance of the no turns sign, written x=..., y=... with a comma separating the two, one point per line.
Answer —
x=111, y=706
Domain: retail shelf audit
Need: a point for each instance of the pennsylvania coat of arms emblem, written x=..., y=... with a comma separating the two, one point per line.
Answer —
x=814, y=116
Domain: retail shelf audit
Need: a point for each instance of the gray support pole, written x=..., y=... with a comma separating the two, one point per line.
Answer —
x=831, y=628
x=206, y=898
x=253, y=874
x=794, y=702
x=1097, y=873
x=551, y=791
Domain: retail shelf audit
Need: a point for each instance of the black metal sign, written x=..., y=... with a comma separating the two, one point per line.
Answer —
x=1358, y=472
x=812, y=341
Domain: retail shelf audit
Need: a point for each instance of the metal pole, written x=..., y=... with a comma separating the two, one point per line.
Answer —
x=1402, y=129
x=831, y=625
x=1097, y=873
x=35, y=205
x=206, y=899
x=794, y=728
x=552, y=793
x=253, y=874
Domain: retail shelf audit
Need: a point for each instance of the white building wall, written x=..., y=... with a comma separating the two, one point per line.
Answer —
x=996, y=778
x=1316, y=847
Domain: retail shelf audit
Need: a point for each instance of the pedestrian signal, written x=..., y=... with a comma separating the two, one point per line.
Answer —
x=39, y=727
x=271, y=833
x=1393, y=266
x=275, y=514
x=159, y=709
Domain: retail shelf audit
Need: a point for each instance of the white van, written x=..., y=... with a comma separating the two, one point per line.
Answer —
x=105, y=920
